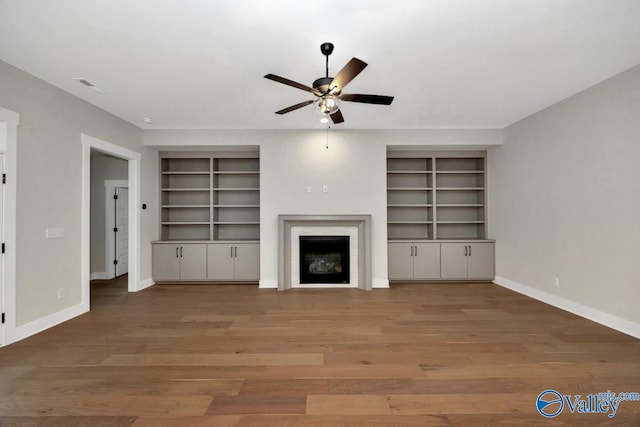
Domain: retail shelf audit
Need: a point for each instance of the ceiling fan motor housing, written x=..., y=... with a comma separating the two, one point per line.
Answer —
x=322, y=84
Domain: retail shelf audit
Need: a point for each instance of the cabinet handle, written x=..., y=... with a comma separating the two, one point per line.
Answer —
x=411, y=250
x=235, y=251
x=180, y=251
x=231, y=252
x=177, y=249
x=416, y=251
x=469, y=250
x=466, y=250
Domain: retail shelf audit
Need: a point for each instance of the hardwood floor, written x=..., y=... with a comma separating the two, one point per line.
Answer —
x=235, y=355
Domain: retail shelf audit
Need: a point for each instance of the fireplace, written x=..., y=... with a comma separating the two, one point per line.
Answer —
x=324, y=259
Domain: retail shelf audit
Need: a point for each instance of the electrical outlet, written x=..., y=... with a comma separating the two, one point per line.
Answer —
x=325, y=188
x=308, y=189
x=60, y=293
x=556, y=281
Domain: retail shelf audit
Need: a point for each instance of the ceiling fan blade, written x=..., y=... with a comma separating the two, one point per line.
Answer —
x=367, y=99
x=293, y=84
x=337, y=117
x=348, y=73
x=294, y=107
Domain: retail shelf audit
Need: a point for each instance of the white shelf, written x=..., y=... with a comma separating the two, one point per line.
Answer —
x=409, y=172
x=236, y=223
x=460, y=172
x=409, y=222
x=184, y=206
x=186, y=223
x=459, y=222
x=210, y=195
x=236, y=173
x=436, y=195
x=186, y=189
x=186, y=173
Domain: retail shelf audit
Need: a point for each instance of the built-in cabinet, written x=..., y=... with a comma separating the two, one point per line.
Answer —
x=179, y=261
x=233, y=261
x=467, y=260
x=433, y=198
x=414, y=260
x=209, y=203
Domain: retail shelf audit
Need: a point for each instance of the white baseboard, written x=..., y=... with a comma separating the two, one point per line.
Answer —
x=379, y=283
x=100, y=275
x=144, y=284
x=625, y=326
x=268, y=284
x=39, y=325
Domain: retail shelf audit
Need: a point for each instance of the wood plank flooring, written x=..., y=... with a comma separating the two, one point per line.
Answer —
x=239, y=356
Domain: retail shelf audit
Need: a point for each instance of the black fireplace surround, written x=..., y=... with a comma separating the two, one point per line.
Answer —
x=324, y=259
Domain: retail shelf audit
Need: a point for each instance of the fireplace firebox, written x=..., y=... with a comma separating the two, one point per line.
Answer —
x=324, y=259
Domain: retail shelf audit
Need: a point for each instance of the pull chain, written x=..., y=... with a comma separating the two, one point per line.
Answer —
x=327, y=140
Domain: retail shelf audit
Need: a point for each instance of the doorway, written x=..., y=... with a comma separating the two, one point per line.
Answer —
x=133, y=159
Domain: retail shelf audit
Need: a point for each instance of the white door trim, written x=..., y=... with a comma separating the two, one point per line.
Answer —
x=134, y=158
x=9, y=121
x=110, y=221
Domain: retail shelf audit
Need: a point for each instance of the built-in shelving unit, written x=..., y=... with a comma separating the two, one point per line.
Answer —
x=210, y=196
x=436, y=195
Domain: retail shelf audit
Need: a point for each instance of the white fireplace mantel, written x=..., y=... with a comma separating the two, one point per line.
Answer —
x=287, y=222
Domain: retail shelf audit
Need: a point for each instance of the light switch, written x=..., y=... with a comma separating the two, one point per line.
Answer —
x=54, y=233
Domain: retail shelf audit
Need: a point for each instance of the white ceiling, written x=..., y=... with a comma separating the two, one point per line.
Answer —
x=200, y=63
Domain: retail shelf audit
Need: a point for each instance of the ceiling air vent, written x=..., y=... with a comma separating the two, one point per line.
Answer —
x=90, y=85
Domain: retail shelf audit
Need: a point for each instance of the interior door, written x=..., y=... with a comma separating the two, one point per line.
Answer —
x=122, y=230
x=2, y=307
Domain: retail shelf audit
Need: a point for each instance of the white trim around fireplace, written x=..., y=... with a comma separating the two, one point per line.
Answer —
x=287, y=225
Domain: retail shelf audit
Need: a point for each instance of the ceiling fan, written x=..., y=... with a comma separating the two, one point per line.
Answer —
x=328, y=90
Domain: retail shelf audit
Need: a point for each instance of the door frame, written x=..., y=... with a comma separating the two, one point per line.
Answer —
x=9, y=121
x=110, y=223
x=133, y=158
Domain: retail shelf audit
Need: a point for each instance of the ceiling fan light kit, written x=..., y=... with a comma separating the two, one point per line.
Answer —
x=327, y=104
x=328, y=90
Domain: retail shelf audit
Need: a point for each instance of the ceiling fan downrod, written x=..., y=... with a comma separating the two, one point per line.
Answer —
x=326, y=49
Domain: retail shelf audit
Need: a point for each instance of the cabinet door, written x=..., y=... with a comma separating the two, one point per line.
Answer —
x=193, y=263
x=454, y=260
x=247, y=261
x=481, y=261
x=166, y=264
x=220, y=261
x=426, y=261
x=400, y=261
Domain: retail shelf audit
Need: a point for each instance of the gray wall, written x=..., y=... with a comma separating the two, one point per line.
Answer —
x=49, y=162
x=103, y=167
x=565, y=198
